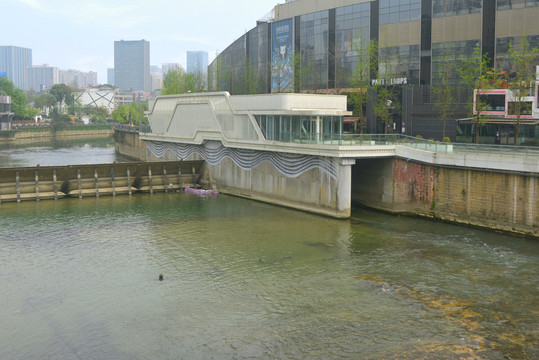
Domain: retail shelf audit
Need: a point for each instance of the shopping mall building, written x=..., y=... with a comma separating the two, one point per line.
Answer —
x=311, y=46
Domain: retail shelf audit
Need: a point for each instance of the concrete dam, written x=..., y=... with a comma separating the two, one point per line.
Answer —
x=57, y=182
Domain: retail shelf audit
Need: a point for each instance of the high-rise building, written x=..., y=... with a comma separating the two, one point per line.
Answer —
x=78, y=79
x=157, y=77
x=110, y=76
x=13, y=61
x=132, y=65
x=197, y=62
x=42, y=77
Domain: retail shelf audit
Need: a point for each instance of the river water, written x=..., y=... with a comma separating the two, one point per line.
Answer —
x=247, y=280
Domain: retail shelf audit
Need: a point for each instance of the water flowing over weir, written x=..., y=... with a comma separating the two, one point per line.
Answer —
x=56, y=182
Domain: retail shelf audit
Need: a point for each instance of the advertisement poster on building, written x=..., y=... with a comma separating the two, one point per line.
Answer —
x=282, y=57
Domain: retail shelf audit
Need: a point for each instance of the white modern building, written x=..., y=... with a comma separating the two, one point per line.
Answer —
x=103, y=99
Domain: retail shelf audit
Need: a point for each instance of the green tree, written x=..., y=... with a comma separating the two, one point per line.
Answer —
x=97, y=114
x=63, y=93
x=59, y=121
x=45, y=101
x=180, y=82
x=474, y=75
x=444, y=94
x=303, y=69
x=522, y=58
x=367, y=57
x=129, y=113
x=18, y=97
x=387, y=101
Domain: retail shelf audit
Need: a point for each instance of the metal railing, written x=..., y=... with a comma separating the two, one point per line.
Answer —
x=134, y=128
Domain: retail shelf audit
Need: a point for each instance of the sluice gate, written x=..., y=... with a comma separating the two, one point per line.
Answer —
x=56, y=182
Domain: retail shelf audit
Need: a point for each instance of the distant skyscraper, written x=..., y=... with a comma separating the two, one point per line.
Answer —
x=170, y=66
x=13, y=61
x=132, y=65
x=157, y=77
x=42, y=77
x=78, y=79
x=197, y=62
x=110, y=76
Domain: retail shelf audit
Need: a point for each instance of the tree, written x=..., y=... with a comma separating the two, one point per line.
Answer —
x=97, y=114
x=129, y=113
x=443, y=92
x=63, y=93
x=59, y=121
x=474, y=74
x=367, y=57
x=45, y=101
x=180, y=82
x=303, y=68
x=387, y=101
x=522, y=59
x=18, y=97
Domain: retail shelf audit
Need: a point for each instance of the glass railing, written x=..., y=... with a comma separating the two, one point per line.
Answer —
x=408, y=141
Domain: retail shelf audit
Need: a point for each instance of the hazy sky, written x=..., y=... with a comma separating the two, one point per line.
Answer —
x=80, y=34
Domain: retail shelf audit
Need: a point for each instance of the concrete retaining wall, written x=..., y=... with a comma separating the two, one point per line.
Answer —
x=128, y=143
x=314, y=190
x=316, y=184
x=496, y=200
x=67, y=134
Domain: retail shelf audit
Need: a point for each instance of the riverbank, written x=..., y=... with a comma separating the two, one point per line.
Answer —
x=494, y=200
x=38, y=134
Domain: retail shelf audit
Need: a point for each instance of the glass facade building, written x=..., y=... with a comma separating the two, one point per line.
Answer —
x=413, y=36
x=197, y=62
x=132, y=65
x=415, y=41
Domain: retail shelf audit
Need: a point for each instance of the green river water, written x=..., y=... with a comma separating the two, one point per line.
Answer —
x=247, y=280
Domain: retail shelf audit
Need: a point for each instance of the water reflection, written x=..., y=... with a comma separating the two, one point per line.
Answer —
x=58, y=152
x=249, y=280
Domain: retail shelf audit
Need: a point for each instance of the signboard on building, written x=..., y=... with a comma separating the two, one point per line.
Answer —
x=282, y=56
x=3, y=74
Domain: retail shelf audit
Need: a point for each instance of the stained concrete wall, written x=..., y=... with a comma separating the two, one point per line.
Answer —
x=314, y=190
x=497, y=200
x=129, y=144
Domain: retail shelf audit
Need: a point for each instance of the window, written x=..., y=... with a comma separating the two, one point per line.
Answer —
x=352, y=31
x=399, y=11
x=314, y=38
x=442, y=8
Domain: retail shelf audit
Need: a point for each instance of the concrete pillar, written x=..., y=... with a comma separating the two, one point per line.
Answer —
x=344, y=187
x=318, y=131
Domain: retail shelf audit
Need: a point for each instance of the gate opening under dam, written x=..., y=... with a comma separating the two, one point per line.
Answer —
x=56, y=182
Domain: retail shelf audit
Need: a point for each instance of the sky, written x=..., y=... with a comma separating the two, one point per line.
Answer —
x=80, y=34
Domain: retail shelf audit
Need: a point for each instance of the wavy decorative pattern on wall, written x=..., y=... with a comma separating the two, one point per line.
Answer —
x=290, y=165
